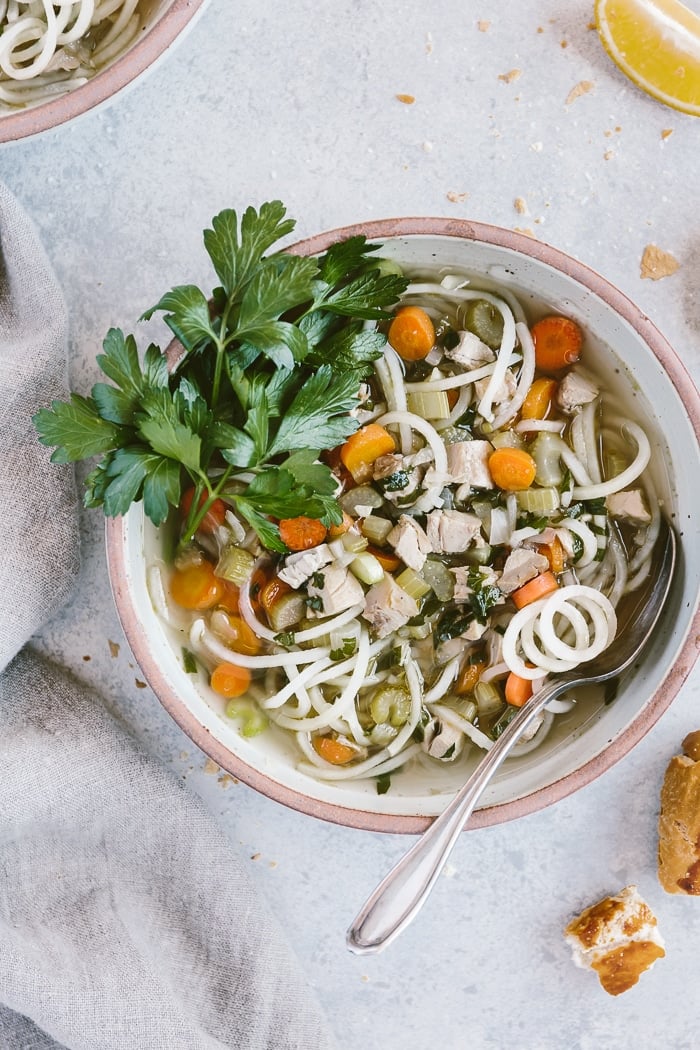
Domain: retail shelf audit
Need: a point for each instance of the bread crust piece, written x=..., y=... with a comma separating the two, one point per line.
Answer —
x=679, y=821
x=618, y=938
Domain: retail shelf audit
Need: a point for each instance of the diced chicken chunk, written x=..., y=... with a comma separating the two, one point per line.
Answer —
x=503, y=392
x=521, y=565
x=443, y=741
x=387, y=465
x=464, y=573
x=410, y=542
x=468, y=463
x=298, y=568
x=575, y=390
x=451, y=531
x=388, y=607
x=470, y=352
x=338, y=590
x=629, y=505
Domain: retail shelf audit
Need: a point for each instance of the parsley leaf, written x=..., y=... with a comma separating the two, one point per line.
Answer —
x=267, y=378
x=236, y=254
x=318, y=415
x=76, y=428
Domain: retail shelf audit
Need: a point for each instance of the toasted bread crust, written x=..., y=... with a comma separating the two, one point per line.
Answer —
x=679, y=822
x=618, y=938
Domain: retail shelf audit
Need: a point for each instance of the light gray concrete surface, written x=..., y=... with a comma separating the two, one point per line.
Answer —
x=298, y=100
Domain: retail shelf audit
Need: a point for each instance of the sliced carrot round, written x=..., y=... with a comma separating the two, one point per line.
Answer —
x=512, y=469
x=539, y=398
x=533, y=590
x=518, y=690
x=196, y=587
x=363, y=448
x=230, y=680
x=557, y=343
x=302, y=533
x=240, y=637
x=411, y=333
x=333, y=751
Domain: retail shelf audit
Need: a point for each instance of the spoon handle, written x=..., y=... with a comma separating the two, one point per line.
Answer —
x=400, y=895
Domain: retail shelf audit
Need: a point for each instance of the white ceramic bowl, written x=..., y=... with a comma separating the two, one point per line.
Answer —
x=645, y=374
x=162, y=23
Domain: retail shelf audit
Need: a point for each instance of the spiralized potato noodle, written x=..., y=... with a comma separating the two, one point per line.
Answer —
x=47, y=48
x=535, y=639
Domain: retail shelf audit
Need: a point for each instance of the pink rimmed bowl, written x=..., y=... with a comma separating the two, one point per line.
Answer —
x=646, y=378
x=163, y=22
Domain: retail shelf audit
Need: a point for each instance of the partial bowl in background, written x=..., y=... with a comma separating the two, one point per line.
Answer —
x=646, y=377
x=163, y=22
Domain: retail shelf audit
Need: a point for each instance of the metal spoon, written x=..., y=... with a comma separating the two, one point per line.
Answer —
x=399, y=897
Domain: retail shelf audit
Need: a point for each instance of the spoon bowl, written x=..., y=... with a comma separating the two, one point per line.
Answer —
x=402, y=893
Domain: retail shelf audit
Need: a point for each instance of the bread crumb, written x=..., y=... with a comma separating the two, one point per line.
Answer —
x=666, y=133
x=226, y=780
x=140, y=684
x=526, y=230
x=256, y=856
x=520, y=205
x=536, y=147
x=679, y=821
x=656, y=263
x=364, y=977
x=564, y=43
x=582, y=88
x=483, y=26
x=407, y=100
x=427, y=147
x=456, y=198
x=272, y=864
x=210, y=766
x=87, y=659
x=510, y=76
x=591, y=25
x=113, y=648
x=618, y=937
x=609, y=153
x=540, y=29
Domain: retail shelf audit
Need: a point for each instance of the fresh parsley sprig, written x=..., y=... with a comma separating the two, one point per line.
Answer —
x=268, y=374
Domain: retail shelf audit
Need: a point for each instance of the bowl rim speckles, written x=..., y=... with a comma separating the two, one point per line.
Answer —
x=663, y=690
x=118, y=75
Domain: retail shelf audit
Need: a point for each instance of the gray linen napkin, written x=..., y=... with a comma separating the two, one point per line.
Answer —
x=126, y=920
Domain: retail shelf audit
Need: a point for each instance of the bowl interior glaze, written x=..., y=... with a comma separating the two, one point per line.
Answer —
x=646, y=378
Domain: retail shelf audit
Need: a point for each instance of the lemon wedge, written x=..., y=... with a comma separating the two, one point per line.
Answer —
x=656, y=43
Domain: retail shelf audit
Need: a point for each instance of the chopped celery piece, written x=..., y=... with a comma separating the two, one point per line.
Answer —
x=235, y=565
x=354, y=542
x=286, y=611
x=488, y=699
x=484, y=320
x=362, y=496
x=538, y=501
x=479, y=555
x=413, y=583
x=440, y=579
x=366, y=568
x=546, y=452
x=253, y=719
x=377, y=529
x=392, y=704
x=430, y=404
x=467, y=709
x=506, y=439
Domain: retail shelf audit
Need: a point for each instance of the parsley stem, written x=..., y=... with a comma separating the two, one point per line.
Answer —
x=218, y=369
x=197, y=513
